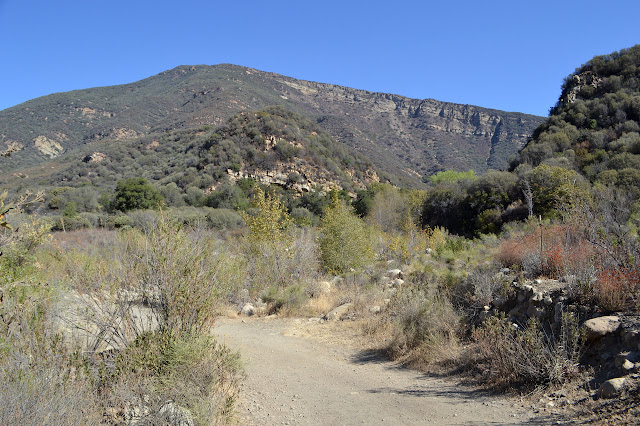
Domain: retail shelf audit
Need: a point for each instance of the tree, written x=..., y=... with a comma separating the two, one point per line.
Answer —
x=136, y=193
x=346, y=241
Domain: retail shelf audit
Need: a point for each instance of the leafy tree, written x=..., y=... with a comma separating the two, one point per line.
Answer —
x=554, y=187
x=136, y=193
x=270, y=219
x=345, y=241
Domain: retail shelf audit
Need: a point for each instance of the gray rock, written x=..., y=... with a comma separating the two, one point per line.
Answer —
x=547, y=300
x=537, y=297
x=338, y=312
x=375, y=309
x=248, y=310
x=397, y=282
x=601, y=326
x=611, y=388
x=319, y=288
x=627, y=357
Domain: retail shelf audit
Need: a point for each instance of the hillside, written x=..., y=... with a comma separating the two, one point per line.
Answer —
x=270, y=146
x=405, y=137
x=595, y=126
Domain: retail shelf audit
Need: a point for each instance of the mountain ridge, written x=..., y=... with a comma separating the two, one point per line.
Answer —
x=410, y=138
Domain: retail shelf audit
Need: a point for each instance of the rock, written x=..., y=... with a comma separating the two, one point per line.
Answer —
x=505, y=271
x=611, y=388
x=536, y=297
x=248, y=310
x=626, y=357
x=338, y=312
x=397, y=282
x=428, y=250
x=534, y=312
x=375, y=309
x=628, y=365
x=319, y=288
x=547, y=300
x=394, y=273
x=175, y=415
x=601, y=326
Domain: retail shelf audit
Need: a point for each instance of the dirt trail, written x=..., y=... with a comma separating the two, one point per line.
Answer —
x=297, y=380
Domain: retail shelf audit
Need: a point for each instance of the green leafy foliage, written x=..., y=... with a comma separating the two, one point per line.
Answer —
x=136, y=193
x=345, y=242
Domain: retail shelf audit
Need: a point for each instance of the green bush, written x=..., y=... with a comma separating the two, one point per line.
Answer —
x=224, y=219
x=136, y=193
x=345, y=242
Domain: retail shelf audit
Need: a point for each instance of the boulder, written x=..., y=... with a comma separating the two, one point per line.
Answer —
x=319, y=288
x=601, y=326
x=338, y=312
x=611, y=388
x=537, y=297
x=397, y=282
x=248, y=310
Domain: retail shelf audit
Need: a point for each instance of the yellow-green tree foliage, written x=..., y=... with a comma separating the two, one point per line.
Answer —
x=556, y=187
x=270, y=221
x=346, y=241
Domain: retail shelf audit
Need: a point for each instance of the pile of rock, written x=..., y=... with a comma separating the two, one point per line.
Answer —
x=612, y=341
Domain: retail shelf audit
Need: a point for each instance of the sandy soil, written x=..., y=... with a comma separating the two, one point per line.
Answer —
x=297, y=377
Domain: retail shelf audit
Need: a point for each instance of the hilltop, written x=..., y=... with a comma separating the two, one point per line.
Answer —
x=407, y=138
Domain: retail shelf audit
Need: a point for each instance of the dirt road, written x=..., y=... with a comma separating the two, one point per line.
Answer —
x=294, y=379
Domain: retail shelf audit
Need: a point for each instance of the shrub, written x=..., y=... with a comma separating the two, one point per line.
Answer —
x=193, y=372
x=287, y=301
x=424, y=327
x=511, y=355
x=224, y=219
x=136, y=193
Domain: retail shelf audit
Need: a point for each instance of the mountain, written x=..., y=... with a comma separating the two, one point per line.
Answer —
x=595, y=126
x=408, y=139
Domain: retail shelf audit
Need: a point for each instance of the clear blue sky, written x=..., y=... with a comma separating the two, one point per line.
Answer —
x=509, y=55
